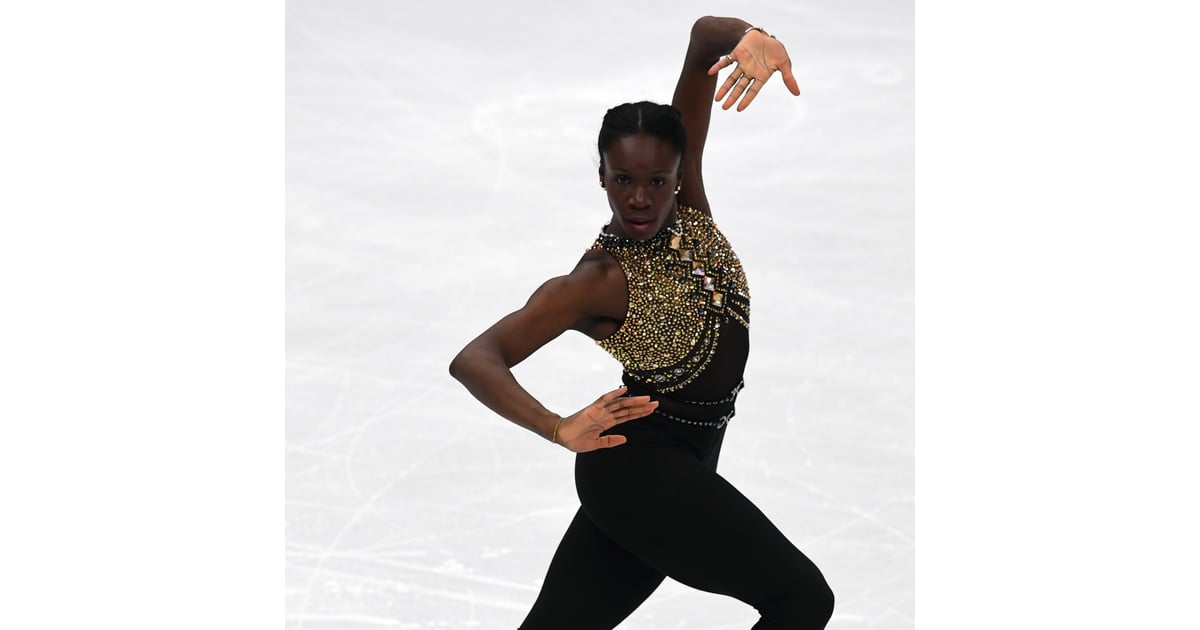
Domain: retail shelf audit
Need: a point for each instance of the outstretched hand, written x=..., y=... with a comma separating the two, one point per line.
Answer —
x=757, y=57
x=580, y=432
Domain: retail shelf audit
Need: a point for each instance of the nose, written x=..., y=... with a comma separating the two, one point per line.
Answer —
x=638, y=198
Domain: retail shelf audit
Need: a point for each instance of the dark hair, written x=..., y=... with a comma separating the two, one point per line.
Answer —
x=660, y=121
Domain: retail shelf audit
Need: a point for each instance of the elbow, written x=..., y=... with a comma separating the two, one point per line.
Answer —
x=458, y=365
x=710, y=27
x=475, y=361
x=466, y=363
x=703, y=28
x=712, y=37
x=703, y=22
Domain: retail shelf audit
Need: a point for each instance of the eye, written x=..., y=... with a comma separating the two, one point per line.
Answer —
x=658, y=182
x=622, y=179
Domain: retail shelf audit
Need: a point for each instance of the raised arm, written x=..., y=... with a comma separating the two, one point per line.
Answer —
x=575, y=301
x=717, y=43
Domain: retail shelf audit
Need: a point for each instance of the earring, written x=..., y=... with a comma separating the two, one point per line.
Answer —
x=678, y=188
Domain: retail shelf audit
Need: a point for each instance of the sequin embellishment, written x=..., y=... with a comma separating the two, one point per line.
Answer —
x=684, y=283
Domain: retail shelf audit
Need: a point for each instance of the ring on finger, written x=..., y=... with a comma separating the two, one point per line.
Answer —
x=728, y=58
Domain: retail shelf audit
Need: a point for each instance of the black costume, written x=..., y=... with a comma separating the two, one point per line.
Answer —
x=655, y=506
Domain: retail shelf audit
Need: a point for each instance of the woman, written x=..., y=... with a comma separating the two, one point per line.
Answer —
x=662, y=290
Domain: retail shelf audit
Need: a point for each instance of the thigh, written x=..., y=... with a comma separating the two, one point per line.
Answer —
x=592, y=582
x=680, y=517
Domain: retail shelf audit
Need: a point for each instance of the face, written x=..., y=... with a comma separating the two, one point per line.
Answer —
x=640, y=174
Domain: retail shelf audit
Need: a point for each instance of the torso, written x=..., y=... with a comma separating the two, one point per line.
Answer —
x=684, y=333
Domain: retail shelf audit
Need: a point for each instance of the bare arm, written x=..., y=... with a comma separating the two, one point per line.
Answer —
x=567, y=302
x=757, y=57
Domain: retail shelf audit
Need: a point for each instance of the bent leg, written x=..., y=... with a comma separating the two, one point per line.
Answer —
x=592, y=582
x=683, y=519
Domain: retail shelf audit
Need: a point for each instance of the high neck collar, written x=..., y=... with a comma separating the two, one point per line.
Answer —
x=608, y=239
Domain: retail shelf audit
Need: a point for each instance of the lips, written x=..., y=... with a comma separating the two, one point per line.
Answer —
x=639, y=226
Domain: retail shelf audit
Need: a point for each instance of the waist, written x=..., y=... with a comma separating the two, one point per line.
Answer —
x=714, y=413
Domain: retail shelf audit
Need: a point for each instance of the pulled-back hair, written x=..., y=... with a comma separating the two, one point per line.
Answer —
x=659, y=121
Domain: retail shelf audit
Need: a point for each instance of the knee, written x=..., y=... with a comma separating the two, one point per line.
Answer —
x=818, y=604
x=808, y=605
x=823, y=602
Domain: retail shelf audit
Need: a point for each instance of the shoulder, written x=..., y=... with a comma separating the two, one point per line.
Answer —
x=595, y=266
x=600, y=281
x=594, y=288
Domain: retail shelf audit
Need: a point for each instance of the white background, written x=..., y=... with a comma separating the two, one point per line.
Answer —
x=143, y=417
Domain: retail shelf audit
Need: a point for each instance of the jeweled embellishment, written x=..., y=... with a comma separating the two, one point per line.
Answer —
x=672, y=326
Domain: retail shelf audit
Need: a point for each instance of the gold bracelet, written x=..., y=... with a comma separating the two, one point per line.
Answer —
x=554, y=438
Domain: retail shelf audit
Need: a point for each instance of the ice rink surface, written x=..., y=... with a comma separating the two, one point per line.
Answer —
x=441, y=165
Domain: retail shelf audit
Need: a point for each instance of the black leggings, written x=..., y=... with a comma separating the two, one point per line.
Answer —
x=656, y=507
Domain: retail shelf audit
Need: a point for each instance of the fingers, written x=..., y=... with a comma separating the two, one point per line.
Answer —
x=737, y=85
x=581, y=432
x=619, y=407
x=726, y=86
x=723, y=62
x=610, y=441
x=608, y=411
x=613, y=395
x=741, y=86
x=631, y=408
x=751, y=92
x=743, y=82
x=613, y=408
x=788, y=79
x=607, y=441
x=614, y=402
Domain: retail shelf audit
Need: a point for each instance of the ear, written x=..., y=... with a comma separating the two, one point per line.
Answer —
x=601, y=173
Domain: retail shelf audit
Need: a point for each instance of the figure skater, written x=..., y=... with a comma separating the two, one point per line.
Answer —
x=662, y=290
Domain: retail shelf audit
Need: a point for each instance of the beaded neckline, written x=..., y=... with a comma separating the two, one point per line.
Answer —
x=608, y=239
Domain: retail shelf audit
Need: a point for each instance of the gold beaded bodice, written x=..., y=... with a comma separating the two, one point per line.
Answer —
x=684, y=283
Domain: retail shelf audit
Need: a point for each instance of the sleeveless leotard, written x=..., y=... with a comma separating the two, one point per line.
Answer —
x=685, y=338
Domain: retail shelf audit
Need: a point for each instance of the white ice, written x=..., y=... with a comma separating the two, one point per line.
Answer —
x=440, y=166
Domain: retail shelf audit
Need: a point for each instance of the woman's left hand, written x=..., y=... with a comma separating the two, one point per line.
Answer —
x=757, y=56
